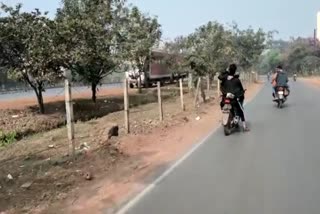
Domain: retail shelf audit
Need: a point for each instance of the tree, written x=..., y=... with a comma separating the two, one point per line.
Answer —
x=269, y=60
x=212, y=49
x=27, y=48
x=249, y=45
x=176, y=59
x=143, y=33
x=311, y=64
x=90, y=37
x=301, y=56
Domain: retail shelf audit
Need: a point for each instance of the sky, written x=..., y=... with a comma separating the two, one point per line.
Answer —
x=291, y=18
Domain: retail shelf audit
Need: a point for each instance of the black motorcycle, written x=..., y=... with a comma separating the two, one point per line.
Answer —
x=230, y=117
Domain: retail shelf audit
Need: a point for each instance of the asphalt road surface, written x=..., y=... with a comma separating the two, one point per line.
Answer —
x=274, y=169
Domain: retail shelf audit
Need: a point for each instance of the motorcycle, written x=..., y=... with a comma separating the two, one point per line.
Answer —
x=295, y=78
x=281, y=96
x=230, y=118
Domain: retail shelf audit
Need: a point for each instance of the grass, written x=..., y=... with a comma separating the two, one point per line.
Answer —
x=7, y=138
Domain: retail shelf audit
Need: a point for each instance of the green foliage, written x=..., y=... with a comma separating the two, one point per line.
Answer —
x=90, y=38
x=27, y=48
x=249, y=45
x=297, y=56
x=213, y=46
x=7, y=138
x=142, y=33
x=178, y=53
x=269, y=60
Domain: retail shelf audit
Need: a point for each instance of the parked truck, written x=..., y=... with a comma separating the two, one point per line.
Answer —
x=157, y=70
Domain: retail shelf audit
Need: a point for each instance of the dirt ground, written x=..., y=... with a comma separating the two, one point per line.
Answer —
x=21, y=116
x=37, y=176
x=312, y=80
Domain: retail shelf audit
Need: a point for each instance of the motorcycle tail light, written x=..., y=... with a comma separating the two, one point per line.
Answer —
x=227, y=101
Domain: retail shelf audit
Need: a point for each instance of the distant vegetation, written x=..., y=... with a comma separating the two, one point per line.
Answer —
x=301, y=55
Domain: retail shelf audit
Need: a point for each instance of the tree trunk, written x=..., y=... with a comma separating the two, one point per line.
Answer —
x=94, y=92
x=203, y=93
x=139, y=84
x=38, y=92
x=146, y=80
x=190, y=81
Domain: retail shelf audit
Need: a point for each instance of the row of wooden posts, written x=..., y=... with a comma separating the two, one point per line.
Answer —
x=246, y=77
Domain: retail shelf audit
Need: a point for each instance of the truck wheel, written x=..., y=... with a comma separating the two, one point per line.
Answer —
x=172, y=79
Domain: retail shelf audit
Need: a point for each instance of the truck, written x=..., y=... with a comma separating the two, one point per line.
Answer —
x=157, y=70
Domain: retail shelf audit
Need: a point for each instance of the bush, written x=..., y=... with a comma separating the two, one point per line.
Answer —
x=7, y=138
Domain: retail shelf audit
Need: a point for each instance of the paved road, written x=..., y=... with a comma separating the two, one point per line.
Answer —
x=274, y=169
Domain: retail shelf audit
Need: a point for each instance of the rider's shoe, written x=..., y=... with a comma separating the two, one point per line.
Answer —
x=245, y=127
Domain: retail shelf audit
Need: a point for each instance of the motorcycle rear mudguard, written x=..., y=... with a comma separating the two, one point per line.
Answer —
x=225, y=118
x=226, y=114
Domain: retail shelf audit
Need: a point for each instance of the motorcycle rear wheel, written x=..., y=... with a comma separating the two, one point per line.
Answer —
x=227, y=130
x=280, y=103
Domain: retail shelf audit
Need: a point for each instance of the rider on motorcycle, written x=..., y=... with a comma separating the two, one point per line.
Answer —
x=280, y=80
x=230, y=83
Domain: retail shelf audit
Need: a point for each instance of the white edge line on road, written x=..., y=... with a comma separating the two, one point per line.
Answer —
x=151, y=186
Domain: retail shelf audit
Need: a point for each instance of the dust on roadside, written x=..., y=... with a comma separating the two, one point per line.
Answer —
x=315, y=81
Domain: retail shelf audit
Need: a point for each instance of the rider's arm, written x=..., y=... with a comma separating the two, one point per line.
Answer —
x=223, y=76
x=239, y=85
x=274, y=77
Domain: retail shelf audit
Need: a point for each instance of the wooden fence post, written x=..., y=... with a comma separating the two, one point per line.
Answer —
x=126, y=106
x=202, y=92
x=218, y=88
x=197, y=92
x=160, y=102
x=190, y=82
x=181, y=95
x=69, y=114
x=208, y=86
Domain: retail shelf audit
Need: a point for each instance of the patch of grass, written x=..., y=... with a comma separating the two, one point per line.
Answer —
x=7, y=138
